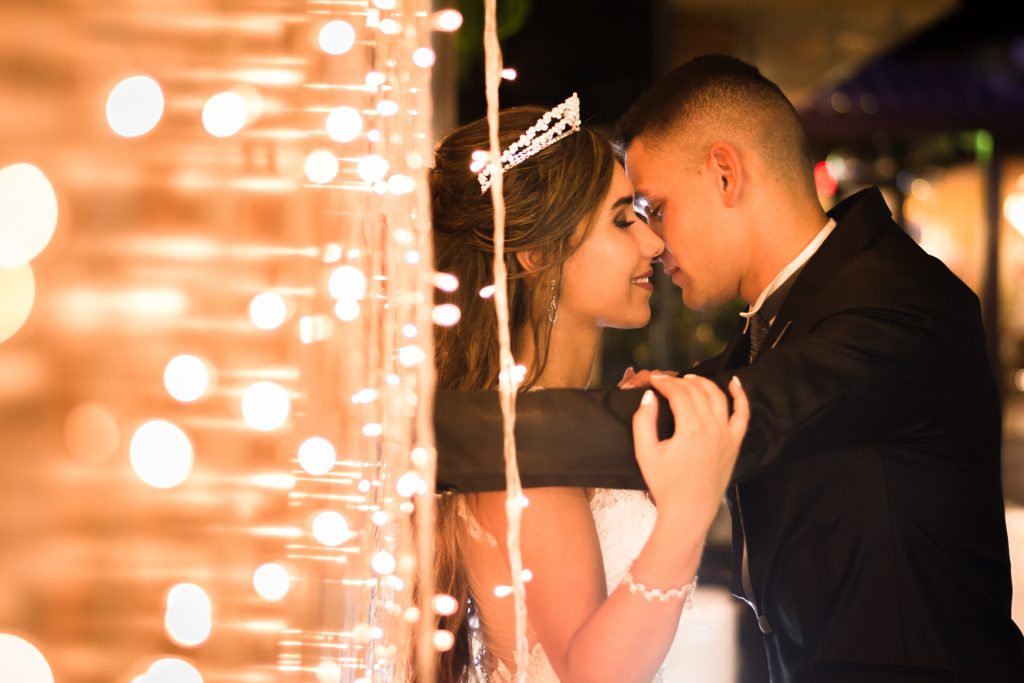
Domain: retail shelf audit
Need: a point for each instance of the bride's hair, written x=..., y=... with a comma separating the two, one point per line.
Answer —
x=548, y=197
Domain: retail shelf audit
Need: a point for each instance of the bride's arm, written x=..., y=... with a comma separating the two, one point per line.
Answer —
x=587, y=635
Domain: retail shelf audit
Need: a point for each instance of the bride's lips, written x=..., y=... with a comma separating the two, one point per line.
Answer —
x=644, y=281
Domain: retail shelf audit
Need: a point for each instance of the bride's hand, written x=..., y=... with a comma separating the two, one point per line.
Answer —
x=691, y=470
x=631, y=379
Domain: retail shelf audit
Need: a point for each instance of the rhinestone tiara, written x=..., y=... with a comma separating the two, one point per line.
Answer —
x=560, y=122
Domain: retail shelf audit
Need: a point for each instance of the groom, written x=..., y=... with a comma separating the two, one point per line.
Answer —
x=868, y=523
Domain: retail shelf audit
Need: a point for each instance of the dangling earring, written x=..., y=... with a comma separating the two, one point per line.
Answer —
x=553, y=304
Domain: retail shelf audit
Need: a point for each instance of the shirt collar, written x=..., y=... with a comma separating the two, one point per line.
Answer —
x=787, y=272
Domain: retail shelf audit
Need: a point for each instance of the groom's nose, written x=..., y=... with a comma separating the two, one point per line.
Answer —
x=666, y=259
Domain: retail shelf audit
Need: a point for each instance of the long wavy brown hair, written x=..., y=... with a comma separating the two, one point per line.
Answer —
x=552, y=199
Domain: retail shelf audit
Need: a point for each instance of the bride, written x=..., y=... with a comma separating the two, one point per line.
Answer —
x=610, y=572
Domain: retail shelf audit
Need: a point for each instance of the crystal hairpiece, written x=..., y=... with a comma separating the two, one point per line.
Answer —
x=560, y=122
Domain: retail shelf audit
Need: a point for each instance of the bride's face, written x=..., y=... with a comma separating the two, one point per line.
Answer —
x=608, y=280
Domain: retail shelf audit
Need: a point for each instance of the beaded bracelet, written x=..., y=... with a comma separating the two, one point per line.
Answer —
x=658, y=595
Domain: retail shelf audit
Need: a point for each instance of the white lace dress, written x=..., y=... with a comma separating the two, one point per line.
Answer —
x=624, y=520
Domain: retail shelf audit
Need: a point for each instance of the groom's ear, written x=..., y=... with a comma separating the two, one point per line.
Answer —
x=724, y=165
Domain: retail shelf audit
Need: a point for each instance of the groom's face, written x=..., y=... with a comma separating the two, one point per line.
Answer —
x=676, y=195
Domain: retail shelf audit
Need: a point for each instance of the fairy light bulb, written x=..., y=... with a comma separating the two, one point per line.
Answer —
x=265, y=406
x=317, y=456
x=22, y=661
x=347, y=282
x=268, y=310
x=411, y=355
x=344, y=124
x=375, y=79
x=189, y=616
x=347, y=310
x=387, y=107
x=372, y=429
x=446, y=282
x=445, y=605
x=330, y=528
x=28, y=205
x=171, y=670
x=187, y=378
x=365, y=396
x=509, y=74
x=314, y=328
x=400, y=184
x=443, y=640
x=161, y=454
x=446, y=315
x=336, y=37
x=389, y=27
x=408, y=484
x=135, y=106
x=383, y=563
x=271, y=581
x=17, y=297
x=224, y=114
x=424, y=57
x=447, y=20
x=385, y=4
x=321, y=166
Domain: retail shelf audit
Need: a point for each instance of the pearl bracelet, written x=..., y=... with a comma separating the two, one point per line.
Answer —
x=658, y=595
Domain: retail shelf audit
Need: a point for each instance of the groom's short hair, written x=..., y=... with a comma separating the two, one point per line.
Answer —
x=721, y=94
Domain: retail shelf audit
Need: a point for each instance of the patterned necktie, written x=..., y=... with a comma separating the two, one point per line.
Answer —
x=758, y=331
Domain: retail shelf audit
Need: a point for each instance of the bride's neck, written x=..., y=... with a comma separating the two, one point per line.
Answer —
x=570, y=357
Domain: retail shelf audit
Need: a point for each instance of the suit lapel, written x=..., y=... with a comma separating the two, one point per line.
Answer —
x=735, y=354
x=858, y=219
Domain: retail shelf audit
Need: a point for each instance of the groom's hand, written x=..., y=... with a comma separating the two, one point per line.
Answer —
x=635, y=380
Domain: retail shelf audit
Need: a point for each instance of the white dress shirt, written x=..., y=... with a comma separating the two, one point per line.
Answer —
x=784, y=274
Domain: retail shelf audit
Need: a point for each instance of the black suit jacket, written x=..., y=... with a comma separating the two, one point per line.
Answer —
x=869, y=479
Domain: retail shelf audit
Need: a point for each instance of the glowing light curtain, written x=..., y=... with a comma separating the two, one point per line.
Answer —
x=216, y=304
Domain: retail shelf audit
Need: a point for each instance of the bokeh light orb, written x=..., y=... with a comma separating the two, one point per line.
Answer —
x=321, y=166
x=372, y=168
x=387, y=107
x=271, y=581
x=401, y=184
x=336, y=37
x=187, y=378
x=225, y=114
x=314, y=328
x=331, y=528
x=91, y=433
x=347, y=282
x=172, y=670
x=383, y=562
x=268, y=310
x=21, y=661
x=344, y=124
x=28, y=206
x=443, y=640
x=135, y=106
x=266, y=406
x=328, y=672
x=447, y=20
x=161, y=454
x=445, y=605
x=189, y=616
x=317, y=456
x=347, y=310
x=17, y=296
x=424, y=57
x=446, y=315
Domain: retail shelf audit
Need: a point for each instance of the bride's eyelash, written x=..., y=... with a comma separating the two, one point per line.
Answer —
x=621, y=222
